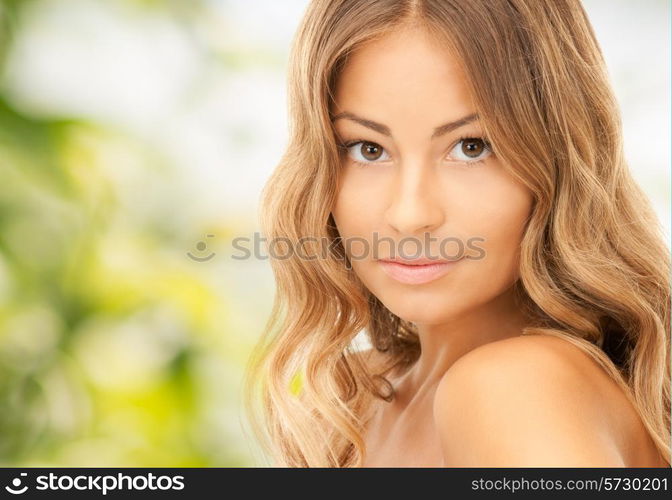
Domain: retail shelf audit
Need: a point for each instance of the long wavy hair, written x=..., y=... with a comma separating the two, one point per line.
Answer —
x=594, y=268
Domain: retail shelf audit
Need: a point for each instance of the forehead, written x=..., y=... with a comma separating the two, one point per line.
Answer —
x=406, y=73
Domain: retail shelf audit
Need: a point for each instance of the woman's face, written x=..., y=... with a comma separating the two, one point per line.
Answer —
x=412, y=188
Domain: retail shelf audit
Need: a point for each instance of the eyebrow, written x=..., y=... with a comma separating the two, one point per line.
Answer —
x=385, y=130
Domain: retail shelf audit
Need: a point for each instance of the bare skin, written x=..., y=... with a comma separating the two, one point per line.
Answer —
x=542, y=402
x=410, y=182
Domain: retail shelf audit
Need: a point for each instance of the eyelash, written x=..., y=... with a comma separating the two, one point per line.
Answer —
x=347, y=145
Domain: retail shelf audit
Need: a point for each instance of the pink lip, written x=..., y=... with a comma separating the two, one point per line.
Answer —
x=417, y=271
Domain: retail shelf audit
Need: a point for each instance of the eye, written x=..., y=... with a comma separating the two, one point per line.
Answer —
x=365, y=152
x=471, y=149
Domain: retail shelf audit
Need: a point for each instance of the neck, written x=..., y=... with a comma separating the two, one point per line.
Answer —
x=443, y=344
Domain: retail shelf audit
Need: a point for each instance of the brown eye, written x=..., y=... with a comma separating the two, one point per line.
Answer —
x=365, y=152
x=471, y=150
x=370, y=151
x=473, y=147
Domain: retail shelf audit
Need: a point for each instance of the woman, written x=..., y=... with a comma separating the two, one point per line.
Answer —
x=519, y=307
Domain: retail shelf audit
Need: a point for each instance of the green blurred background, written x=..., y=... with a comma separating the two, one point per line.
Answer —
x=133, y=132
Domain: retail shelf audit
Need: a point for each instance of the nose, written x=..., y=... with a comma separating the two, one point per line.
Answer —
x=414, y=206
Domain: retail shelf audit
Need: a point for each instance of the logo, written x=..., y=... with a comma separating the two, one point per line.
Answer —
x=16, y=483
x=201, y=246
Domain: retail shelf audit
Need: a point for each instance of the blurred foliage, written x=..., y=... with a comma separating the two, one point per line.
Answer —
x=114, y=350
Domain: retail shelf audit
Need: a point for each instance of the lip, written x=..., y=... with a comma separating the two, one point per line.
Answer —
x=417, y=271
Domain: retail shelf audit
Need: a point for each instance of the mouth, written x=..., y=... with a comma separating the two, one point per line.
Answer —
x=417, y=271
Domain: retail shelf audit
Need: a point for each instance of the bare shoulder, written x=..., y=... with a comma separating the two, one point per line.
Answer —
x=530, y=401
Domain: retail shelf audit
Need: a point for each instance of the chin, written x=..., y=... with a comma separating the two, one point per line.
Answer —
x=421, y=311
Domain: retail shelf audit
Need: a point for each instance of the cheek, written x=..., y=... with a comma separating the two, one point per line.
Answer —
x=359, y=204
x=499, y=216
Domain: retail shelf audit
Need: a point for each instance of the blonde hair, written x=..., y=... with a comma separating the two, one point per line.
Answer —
x=594, y=267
